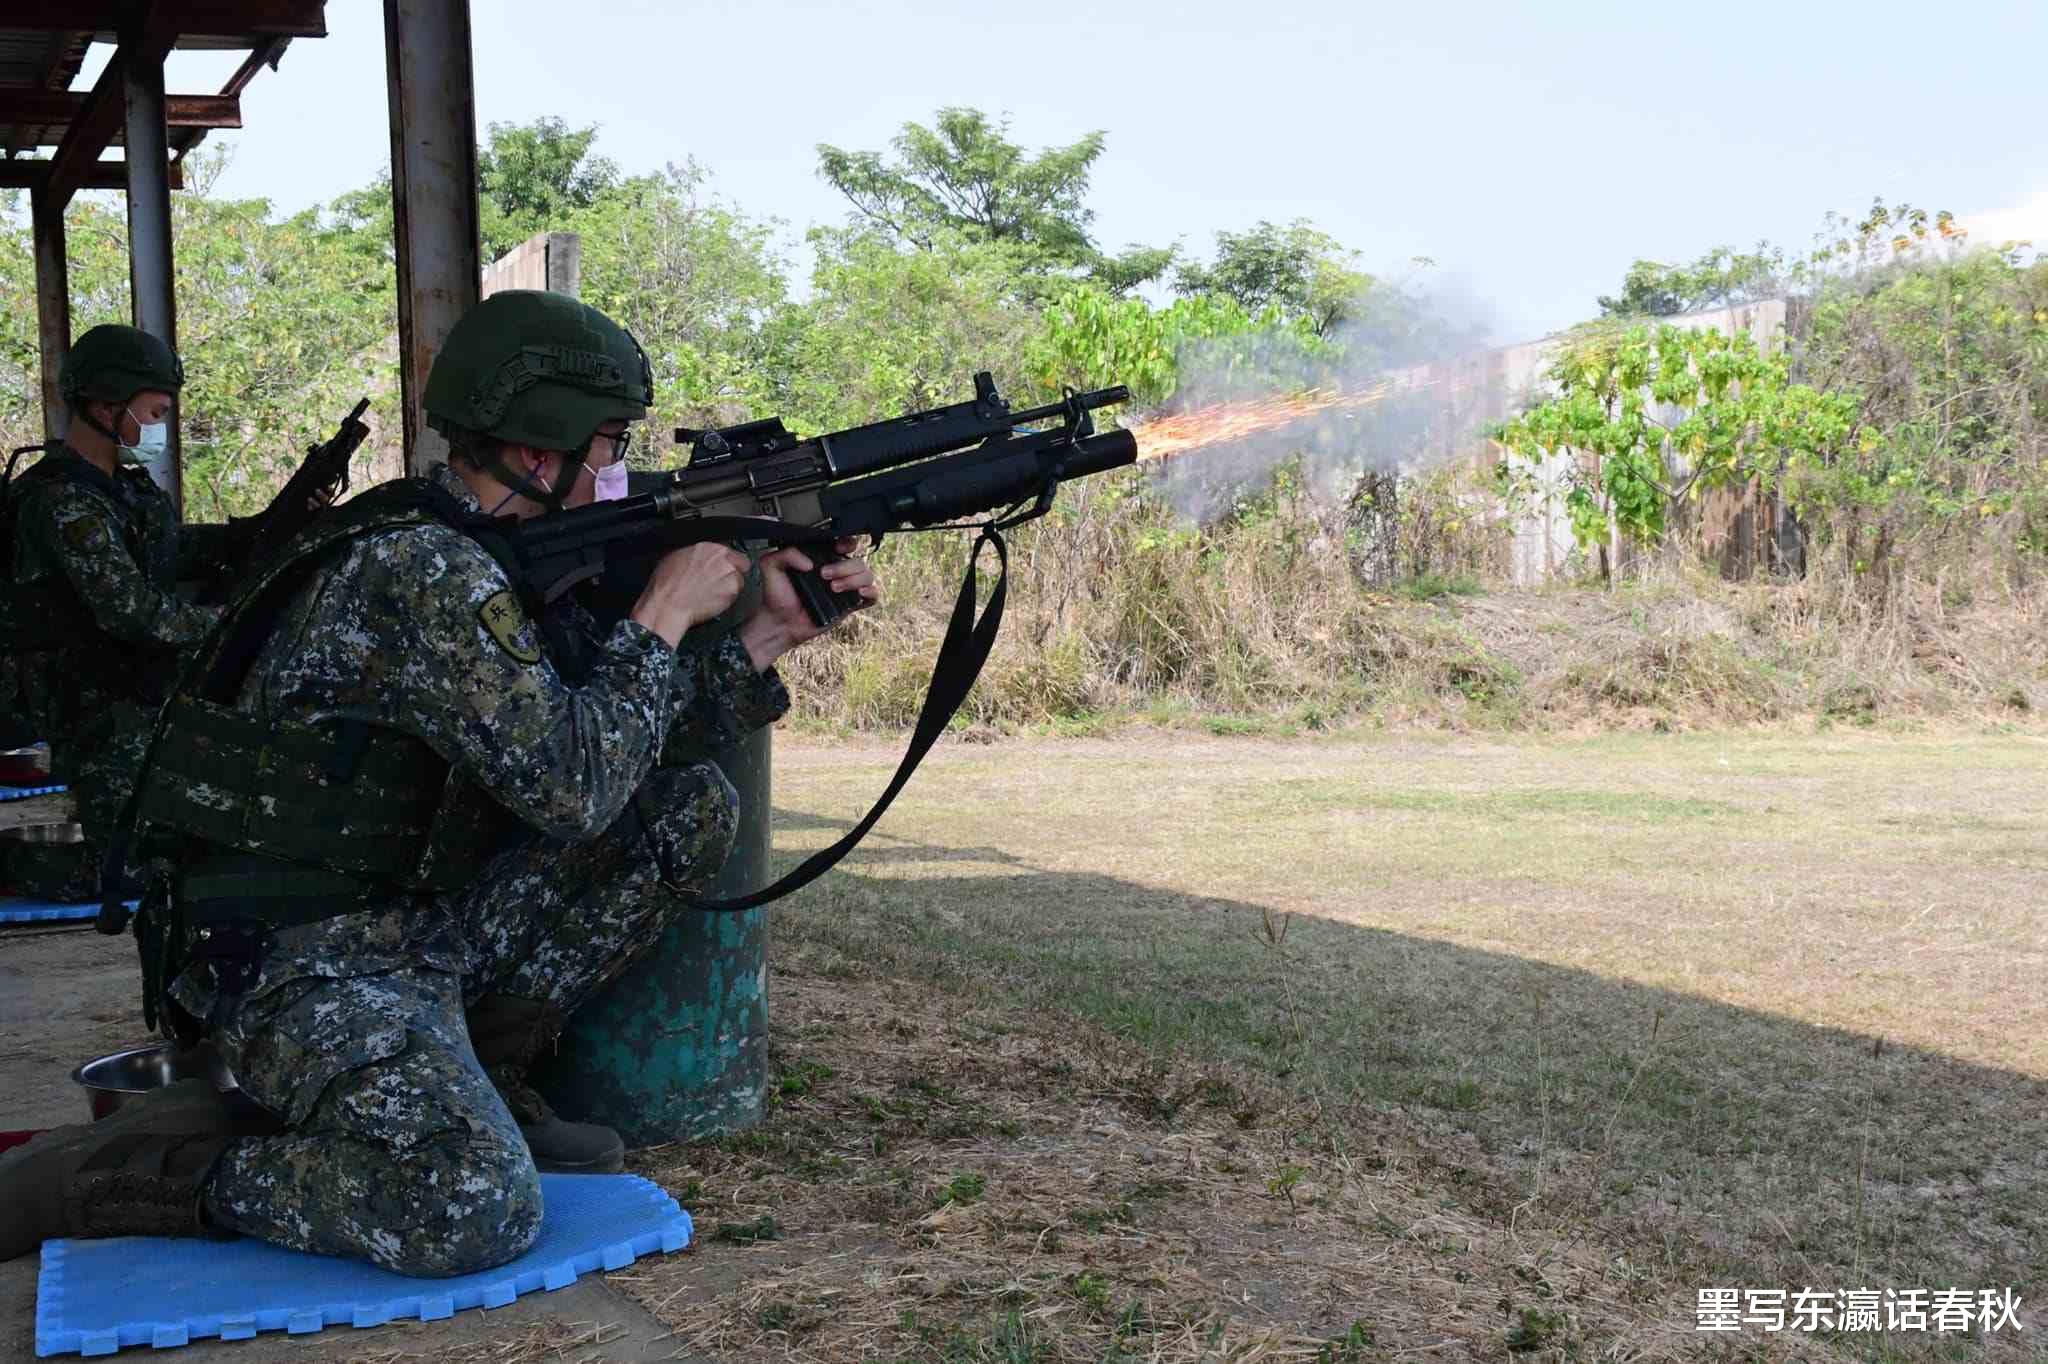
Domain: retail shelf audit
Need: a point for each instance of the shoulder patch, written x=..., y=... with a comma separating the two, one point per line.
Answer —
x=505, y=619
x=85, y=533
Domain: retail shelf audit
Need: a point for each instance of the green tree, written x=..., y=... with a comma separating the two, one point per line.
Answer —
x=1301, y=270
x=889, y=330
x=700, y=285
x=532, y=177
x=1738, y=416
x=1720, y=278
x=1093, y=339
x=964, y=178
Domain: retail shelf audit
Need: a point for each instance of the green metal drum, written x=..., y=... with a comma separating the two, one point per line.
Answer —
x=677, y=1047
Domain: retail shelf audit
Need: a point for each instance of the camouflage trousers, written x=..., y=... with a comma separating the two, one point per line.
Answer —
x=399, y=1149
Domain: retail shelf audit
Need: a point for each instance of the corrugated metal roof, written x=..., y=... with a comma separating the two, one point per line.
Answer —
x=44, y=60
x=38, y=61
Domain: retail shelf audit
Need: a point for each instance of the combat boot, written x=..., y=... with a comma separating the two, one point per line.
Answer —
x=508, y=1033
x=140, y=1171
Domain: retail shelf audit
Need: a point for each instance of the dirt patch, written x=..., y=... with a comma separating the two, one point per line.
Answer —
x=943, y=1179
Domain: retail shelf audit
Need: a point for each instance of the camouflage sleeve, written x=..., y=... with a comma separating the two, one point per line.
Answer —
x=72, y=534
x=473, y=680
x=729, y=702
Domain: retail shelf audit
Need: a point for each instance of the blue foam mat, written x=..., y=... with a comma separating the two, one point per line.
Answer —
x=16, y=909
x=24, y=792
x=95, y=1297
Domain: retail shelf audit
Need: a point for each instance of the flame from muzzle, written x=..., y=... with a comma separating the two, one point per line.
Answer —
x=1230, y=422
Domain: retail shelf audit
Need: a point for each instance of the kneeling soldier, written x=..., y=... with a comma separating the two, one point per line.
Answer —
x=407, y=824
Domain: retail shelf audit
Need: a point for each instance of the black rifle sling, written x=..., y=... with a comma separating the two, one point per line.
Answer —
x=961, y=656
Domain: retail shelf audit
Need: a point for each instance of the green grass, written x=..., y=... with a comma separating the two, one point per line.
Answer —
x=1647, y=975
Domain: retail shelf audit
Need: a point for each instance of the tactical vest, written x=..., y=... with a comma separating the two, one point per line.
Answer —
x=283, y=823
x=47, y=614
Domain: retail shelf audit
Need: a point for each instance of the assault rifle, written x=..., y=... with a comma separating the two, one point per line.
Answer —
x=974, y=462
x=313, y=487
x=964, y=462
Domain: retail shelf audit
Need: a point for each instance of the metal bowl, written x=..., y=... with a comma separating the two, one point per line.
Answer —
x=113, y=1080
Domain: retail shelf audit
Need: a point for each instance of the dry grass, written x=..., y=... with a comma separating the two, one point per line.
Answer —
x=1117, y=613
x=536, y=1342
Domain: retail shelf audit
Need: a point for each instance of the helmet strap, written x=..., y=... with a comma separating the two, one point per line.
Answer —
x=110, y=433
x=527, y=487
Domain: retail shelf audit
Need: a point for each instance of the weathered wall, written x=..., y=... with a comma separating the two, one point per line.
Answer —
x=548, y=260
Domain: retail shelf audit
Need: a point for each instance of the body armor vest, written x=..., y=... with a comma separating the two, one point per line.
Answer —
x=286, y=823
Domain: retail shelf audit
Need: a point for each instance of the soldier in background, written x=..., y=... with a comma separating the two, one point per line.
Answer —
x=92, y=622
x=470, y=820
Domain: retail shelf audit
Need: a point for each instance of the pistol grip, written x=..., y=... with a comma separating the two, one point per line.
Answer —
x=824, y=606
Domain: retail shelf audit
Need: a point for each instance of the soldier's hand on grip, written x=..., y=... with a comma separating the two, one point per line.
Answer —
x=690, y=586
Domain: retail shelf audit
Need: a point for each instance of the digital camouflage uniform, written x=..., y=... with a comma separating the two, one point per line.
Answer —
x=103, y=554
x=399, y=1148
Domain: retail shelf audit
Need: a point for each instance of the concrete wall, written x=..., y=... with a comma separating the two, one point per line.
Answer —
x=549, y=260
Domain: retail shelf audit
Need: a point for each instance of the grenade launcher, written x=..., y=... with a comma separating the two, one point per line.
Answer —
x=966, y=462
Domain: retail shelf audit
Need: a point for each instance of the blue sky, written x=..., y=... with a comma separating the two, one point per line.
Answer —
x=1531, y=150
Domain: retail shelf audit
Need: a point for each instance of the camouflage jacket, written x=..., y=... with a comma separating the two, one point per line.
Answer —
x=418, y=629
x=105, y=554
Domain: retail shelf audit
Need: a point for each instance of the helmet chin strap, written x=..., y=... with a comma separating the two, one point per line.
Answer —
x=527, y=487
x=111, y=433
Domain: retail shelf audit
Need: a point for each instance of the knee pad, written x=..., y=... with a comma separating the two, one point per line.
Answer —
x=689, y=818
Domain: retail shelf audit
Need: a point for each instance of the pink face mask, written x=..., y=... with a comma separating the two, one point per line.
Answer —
x=610, y=481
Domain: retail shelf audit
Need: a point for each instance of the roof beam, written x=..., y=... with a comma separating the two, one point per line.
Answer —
x=196, y=18
x=47, y=108
x=269, y=53
x=104, y=111
x=26, y=174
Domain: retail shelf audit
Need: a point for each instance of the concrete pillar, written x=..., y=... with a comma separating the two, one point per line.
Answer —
x=53, y=305
x=565, y=263
x=151, y=282
x=434, y=193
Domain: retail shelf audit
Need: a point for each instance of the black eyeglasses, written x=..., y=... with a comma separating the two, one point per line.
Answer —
x=621, y=442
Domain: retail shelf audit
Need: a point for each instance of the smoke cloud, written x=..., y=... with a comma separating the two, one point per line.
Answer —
x=1400, y=385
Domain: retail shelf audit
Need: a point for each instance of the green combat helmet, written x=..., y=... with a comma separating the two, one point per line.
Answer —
x=537, y=369
x=113, y=363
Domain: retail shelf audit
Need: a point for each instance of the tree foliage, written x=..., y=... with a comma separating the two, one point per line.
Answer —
x=532, y=177
x=1720, y=278
x=889, y=330
x=1655, y=416
x=1155, y=350
x=1302, y=271
x=963, y=178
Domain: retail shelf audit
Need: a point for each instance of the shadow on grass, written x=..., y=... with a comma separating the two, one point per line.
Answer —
x=1725, y=1141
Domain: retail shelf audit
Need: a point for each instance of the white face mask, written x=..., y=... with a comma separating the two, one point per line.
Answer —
x=610, y=481
x=153, y=439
